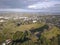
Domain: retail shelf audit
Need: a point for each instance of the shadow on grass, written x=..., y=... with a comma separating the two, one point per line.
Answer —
x=41, y=29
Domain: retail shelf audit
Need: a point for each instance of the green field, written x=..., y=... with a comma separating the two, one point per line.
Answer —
x=22, y=33
x=11, y=27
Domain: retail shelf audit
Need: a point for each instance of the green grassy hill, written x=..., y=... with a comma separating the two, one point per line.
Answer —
x=13, y=28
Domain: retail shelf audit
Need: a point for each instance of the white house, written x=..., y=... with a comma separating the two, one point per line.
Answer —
x=34, y=21
x=7, y=42
x=1, y=20
x=3, y=43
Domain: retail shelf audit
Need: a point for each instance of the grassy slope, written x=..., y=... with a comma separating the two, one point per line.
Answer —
x=51, y=33
x=11, y=27
x=29, y=26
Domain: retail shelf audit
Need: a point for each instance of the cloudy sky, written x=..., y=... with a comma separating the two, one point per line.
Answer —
x=30, y=5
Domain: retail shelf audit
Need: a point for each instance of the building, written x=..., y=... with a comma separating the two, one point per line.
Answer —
x=34, y=21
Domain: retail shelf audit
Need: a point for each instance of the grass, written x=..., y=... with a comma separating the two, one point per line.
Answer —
x=12, y=27
x=29, y=26
x=51, y=33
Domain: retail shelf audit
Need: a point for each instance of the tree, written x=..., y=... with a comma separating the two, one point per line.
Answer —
x=17, y=35
x=58, y=39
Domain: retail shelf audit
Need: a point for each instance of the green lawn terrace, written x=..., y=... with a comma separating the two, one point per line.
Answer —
x=8, y=28
x=37, y=30
x=11, y=29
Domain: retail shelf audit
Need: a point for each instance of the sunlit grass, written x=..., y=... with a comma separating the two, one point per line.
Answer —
x=28, y=27
x=51, y=33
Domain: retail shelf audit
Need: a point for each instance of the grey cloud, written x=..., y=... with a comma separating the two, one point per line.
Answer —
x=22, y=4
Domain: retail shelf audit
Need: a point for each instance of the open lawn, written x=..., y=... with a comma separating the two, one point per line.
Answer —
x=28, y=27
x=11, y=27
